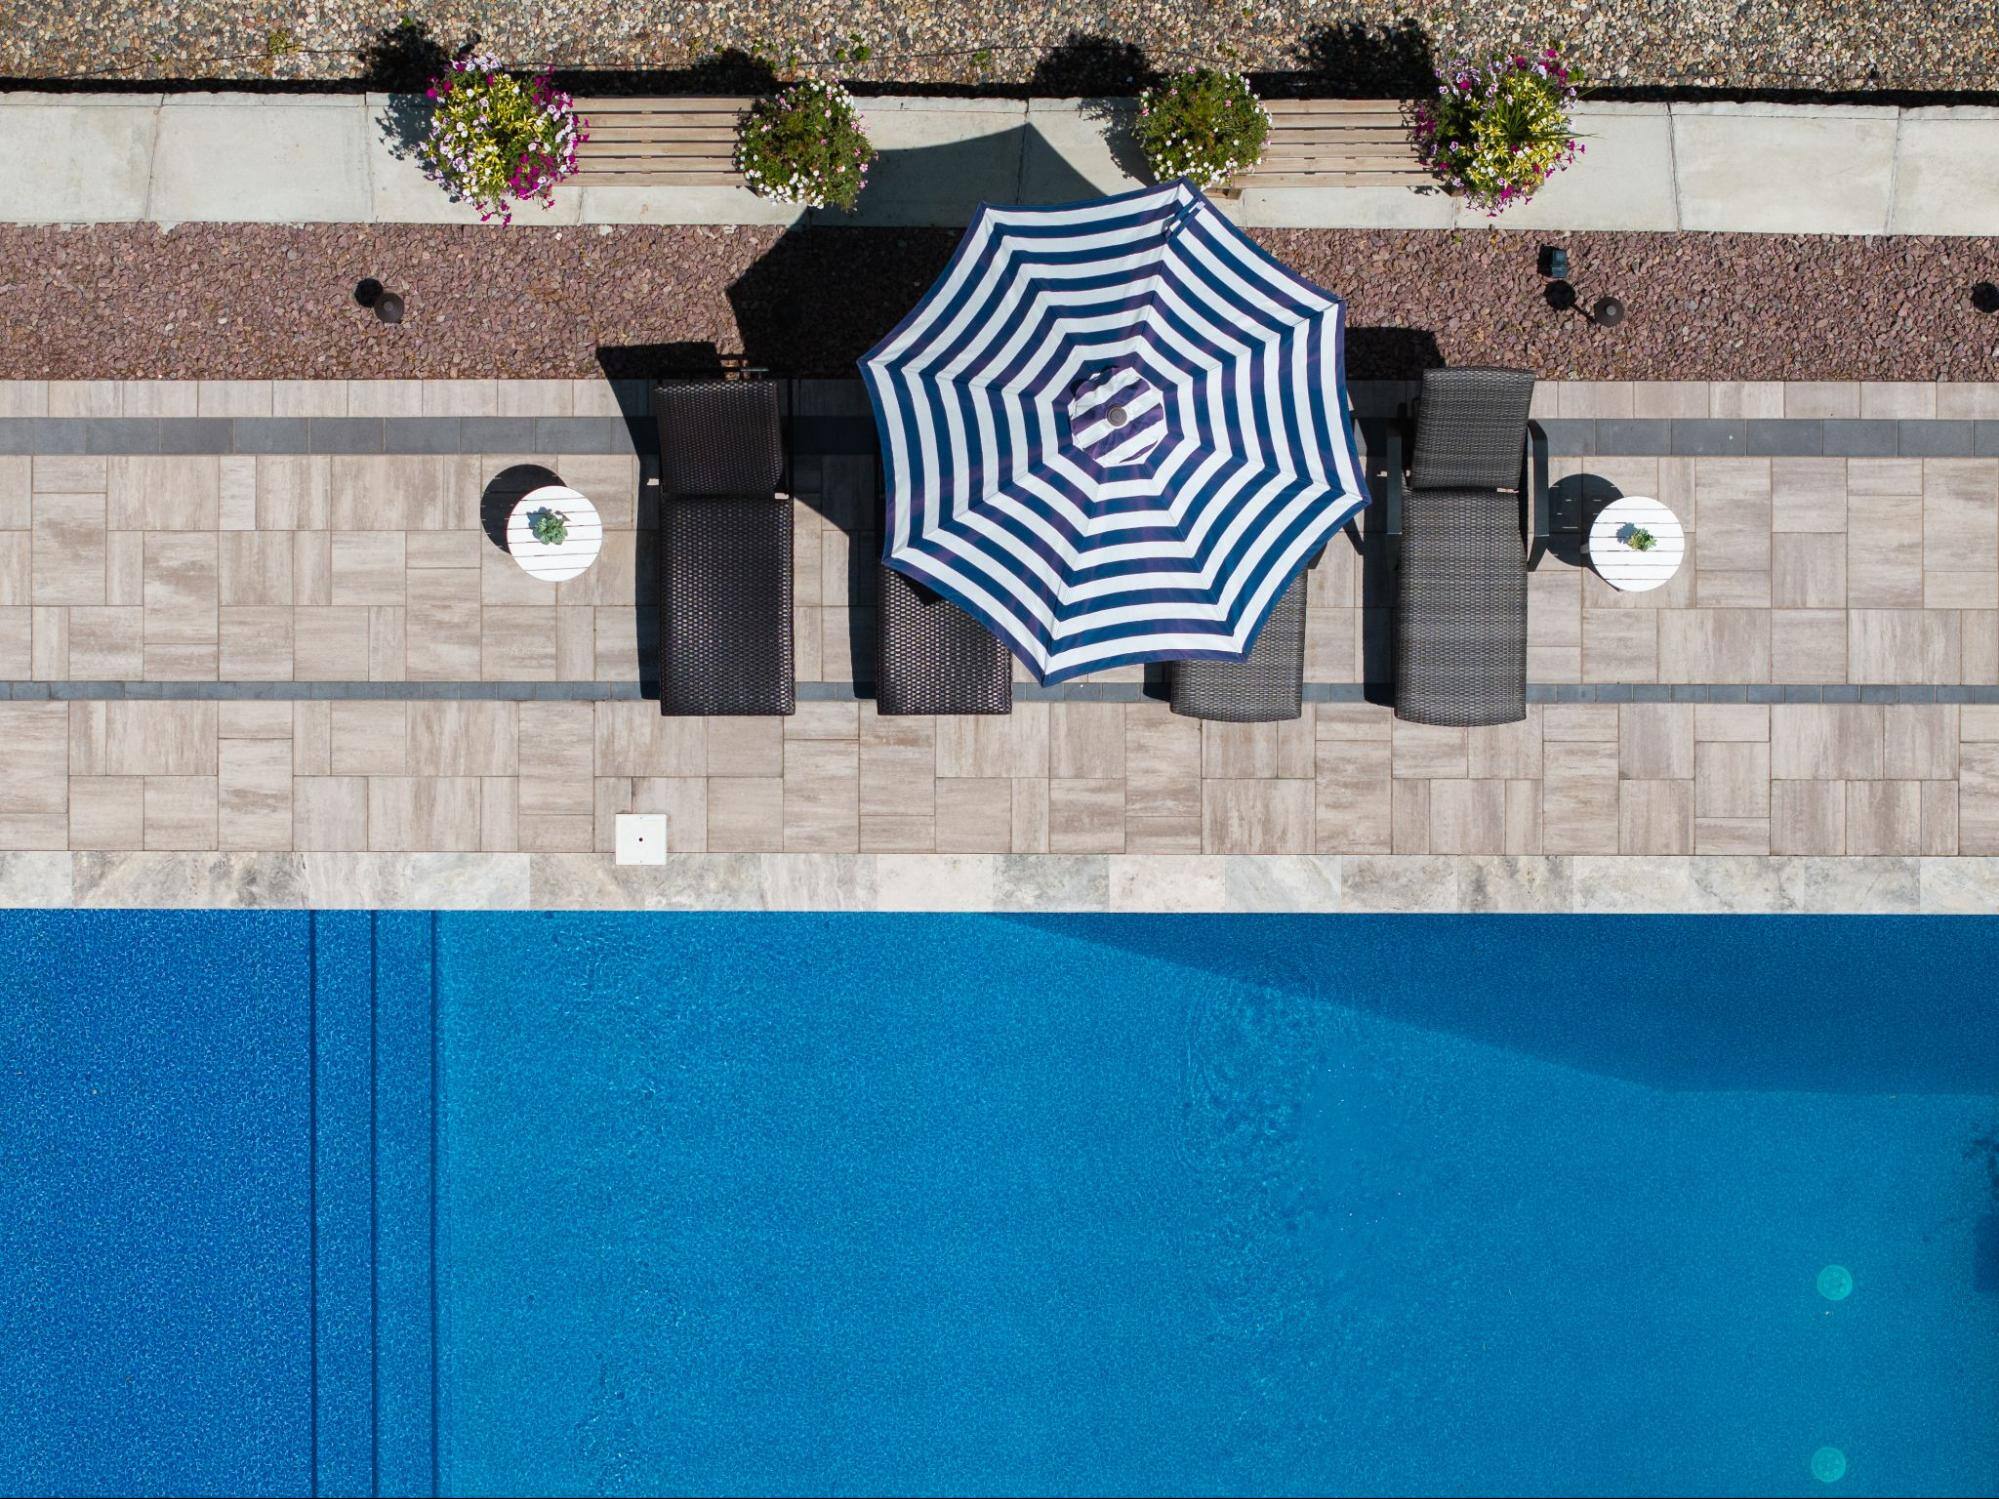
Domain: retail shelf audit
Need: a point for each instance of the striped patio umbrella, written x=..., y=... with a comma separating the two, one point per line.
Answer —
x=1114, y=431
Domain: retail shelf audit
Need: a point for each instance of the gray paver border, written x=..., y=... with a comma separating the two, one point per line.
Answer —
x=1568, y=437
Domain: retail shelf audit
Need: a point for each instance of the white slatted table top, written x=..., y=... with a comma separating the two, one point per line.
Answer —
x=1623, y=566
x=555, y=564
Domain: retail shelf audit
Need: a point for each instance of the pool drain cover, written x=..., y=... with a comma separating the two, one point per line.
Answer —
x=1835, y=1283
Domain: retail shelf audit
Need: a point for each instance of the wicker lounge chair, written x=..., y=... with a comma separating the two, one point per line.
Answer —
x=933, y=657
x=724, y=550
x=1471, y=524
x=1267, y=685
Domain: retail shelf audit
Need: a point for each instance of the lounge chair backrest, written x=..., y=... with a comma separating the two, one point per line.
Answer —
x=1471, y=429
x=719, y=437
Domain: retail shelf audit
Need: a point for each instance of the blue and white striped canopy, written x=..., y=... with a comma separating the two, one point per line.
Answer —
x=1114, y=431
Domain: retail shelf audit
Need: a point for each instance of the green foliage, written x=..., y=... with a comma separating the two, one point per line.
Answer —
x=805, y=145
x=495, y=138
x=1204, y=125
x=549, y=527
x=1496, y=130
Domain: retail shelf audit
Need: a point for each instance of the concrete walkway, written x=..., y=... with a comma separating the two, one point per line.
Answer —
x=1753, y=168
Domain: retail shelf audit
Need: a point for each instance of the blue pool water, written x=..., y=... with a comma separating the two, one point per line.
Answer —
x=580, y=1204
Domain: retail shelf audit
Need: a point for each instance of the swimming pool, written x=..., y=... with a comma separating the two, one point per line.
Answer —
x=574, y=1203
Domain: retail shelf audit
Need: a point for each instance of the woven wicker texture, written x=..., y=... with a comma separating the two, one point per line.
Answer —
x=719, y=437
x=725, y=606
x=1461, y=610
x=1267, y=686
x=1471, y=429
x=724, y=550
x=933, y=657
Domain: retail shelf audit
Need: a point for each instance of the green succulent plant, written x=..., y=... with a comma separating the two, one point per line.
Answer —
x=549, y=527
x=1641, y=540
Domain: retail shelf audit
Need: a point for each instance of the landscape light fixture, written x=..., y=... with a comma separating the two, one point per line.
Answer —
x=387, y=305
x=1985, y=297
x=1560, y=293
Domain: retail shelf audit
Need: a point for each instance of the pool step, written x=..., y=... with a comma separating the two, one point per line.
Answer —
x=374, y=1265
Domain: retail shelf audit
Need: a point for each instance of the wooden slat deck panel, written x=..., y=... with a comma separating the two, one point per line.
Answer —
x=666, y=142
x=1325, y=179
x=1336, y=143
x=662, y=148
x=1279, y=108
x=660, y=142
x=677, y=108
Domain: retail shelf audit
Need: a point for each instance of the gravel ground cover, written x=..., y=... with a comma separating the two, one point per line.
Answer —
x=271, y=301
x=1054, y=46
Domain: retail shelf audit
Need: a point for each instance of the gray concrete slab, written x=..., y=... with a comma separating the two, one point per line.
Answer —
x=677, y=205
x=1078, y=148
x=1947, y=173
x=1623, y=179
x=939, y=159
x=1346, y=208
x=77, y=164
x=1768, y=169
x=222, y=157
x=344, y=158
x=399, y=193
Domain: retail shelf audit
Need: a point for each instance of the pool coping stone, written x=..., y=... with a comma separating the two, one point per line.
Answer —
x=1011, y=883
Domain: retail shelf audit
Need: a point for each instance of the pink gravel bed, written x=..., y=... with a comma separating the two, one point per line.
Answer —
x=268, y=301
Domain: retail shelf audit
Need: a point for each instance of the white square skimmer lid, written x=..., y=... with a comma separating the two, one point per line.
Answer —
x=641, y=837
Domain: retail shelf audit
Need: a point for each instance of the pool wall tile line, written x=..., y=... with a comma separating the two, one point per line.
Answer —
x=405, y=1300
x=343, y=1206
x=374, y=1306
x=1609, y=884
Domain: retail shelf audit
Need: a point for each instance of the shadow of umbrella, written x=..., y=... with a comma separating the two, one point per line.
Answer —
x=945, y=183
x=1794, y=1003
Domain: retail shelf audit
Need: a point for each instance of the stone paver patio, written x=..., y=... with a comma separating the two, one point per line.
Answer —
x=319, y=654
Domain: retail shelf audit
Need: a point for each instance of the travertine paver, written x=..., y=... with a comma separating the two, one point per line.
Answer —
x=1633, y=779
x=375, y=568
x=1803, y=570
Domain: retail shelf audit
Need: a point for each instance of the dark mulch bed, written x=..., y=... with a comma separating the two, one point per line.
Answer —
x=221, y=301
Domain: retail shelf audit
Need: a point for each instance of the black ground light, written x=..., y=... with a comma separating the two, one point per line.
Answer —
x=388, y=305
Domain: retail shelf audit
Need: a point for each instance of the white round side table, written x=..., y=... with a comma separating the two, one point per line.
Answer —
x=555, y=564
x=1623, y=566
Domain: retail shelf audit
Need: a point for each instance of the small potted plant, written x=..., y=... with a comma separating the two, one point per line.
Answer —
x=1205, y=125
x=549, y=526
x=806, y=145
x=1639, y=539
x=496, y=139
x=1496, y=131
